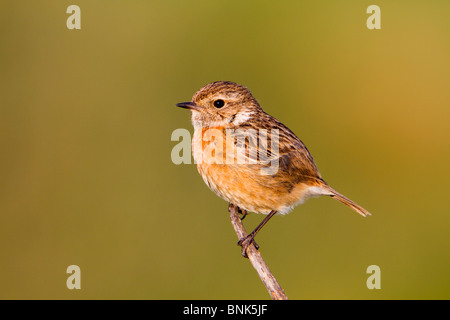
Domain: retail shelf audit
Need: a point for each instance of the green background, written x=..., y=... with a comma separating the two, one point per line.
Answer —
x=86, y=176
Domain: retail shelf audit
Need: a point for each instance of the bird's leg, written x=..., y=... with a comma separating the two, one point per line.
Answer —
x=244, y=214
x=246, y=241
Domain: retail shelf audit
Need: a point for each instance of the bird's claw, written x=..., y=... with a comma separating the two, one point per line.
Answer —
x=243, y=214
x=245, y=242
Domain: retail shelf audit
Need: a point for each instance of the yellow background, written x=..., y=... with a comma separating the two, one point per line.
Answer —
x=86, y=176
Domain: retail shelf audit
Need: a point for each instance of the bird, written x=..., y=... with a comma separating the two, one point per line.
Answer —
x=229, y=125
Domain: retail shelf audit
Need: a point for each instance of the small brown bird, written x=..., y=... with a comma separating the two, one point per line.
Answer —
x=231, y=148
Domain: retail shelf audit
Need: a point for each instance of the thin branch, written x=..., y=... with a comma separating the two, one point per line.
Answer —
x=269, y=281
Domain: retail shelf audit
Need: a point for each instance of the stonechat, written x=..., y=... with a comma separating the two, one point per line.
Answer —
x=231, y=161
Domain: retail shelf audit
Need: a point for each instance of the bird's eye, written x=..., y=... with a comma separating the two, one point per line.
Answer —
x=219, y=103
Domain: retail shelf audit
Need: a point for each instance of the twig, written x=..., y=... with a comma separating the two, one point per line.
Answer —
x=269, y=281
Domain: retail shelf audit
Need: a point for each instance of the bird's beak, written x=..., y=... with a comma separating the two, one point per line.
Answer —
x=188, y=105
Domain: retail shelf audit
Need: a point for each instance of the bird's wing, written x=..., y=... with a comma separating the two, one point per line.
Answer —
x=267, y=142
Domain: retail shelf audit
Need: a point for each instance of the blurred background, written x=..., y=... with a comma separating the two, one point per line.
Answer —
x=86, y=176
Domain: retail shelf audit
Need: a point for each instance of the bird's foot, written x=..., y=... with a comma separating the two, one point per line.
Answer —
x=245, y=242
x=243, y=213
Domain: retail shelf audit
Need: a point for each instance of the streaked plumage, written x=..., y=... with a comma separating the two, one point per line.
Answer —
x=297, y=177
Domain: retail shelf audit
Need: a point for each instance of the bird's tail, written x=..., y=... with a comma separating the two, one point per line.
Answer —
x=336, y=195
